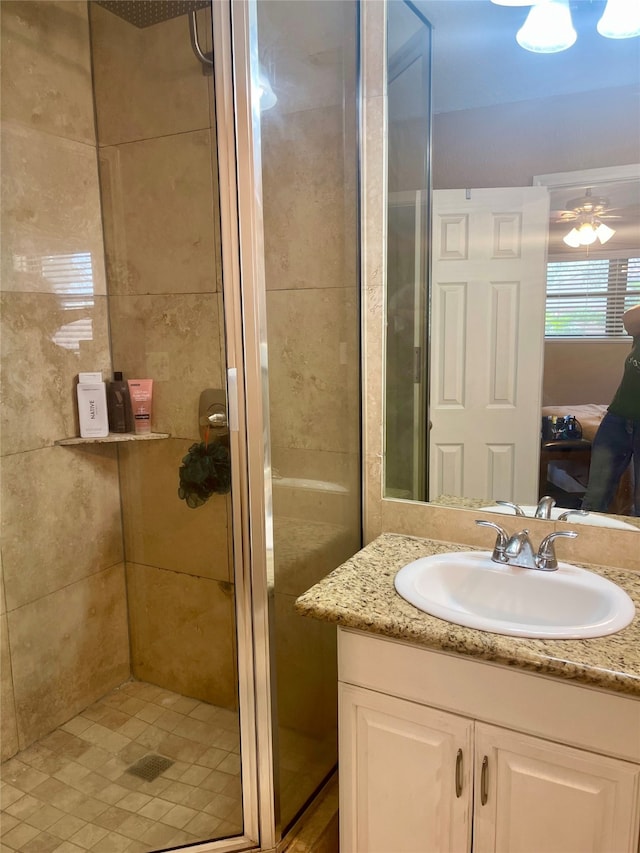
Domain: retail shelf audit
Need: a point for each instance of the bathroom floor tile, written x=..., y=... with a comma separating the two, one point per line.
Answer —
x=72, y=791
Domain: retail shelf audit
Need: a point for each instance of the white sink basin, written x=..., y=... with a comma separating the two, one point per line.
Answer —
x=596, y=519
x=467, y=588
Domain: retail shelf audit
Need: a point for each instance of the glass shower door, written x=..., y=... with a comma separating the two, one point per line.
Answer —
x=154, y=100
x=308, y=120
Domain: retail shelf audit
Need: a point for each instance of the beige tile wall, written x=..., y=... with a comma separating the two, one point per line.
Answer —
x=161, y=530
x=191, y=646
x=308, y=183
x=159, y=190
x=81, y=632
x=61, y=532
x=595, y=544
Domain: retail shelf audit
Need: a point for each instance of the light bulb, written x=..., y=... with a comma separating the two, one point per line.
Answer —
x=620, y=20
x=548, y=28
x=513, y=2
x=572, y=239
x=587, y=234
x=604, y=233
x=263, y=91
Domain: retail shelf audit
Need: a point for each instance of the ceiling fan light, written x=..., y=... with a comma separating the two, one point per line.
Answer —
x=620, y=20
x=604, y=233
x=587, y=234
x=548, y=28
x=572, y=239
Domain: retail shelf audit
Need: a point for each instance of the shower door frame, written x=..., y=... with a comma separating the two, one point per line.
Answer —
x=238, y=141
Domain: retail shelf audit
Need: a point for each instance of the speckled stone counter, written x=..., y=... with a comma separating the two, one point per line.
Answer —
x=360, y=594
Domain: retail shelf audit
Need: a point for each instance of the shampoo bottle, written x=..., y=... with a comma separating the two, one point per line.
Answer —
x=119, y=404
x=92, y=406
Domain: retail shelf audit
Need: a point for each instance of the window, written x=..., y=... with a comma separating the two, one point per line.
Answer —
x=588, y=298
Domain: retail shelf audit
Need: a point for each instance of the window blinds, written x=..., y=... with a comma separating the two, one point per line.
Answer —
x=588, y=298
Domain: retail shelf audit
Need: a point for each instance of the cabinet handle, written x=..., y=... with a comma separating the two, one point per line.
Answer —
x=484, y=781
x=459, y=774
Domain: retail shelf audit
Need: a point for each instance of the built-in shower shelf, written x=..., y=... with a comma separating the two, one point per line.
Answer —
x=113, y=438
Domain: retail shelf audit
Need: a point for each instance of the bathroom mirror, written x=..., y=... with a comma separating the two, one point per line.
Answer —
x=510, y=139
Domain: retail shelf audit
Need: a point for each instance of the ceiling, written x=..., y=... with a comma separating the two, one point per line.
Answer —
x=477, y=61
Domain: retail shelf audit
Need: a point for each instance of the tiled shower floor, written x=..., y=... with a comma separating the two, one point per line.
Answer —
x=71, y=791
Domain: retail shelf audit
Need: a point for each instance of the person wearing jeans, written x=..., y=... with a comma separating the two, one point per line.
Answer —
x=617, y=441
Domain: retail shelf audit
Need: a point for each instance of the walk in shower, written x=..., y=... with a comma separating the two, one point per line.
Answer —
x=158, y=688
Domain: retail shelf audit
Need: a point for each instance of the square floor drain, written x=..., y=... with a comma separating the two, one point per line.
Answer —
x=150, y=767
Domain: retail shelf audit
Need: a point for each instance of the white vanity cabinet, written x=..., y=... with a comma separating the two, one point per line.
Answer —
x=443, y=754
x=404, y=783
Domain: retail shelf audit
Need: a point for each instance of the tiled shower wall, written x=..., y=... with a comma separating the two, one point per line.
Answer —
x=63, y=608
x=64, y=621
x=158, y=177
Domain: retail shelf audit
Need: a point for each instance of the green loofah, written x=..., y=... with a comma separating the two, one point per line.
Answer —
x=205, y=471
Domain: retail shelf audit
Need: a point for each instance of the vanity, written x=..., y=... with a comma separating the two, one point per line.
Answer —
x=456, y=739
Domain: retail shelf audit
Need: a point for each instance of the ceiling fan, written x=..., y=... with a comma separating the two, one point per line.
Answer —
x=588, y=213
x=586, y=205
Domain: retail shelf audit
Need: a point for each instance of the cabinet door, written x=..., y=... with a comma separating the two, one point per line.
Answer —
x=405, y=776
x=534, y=795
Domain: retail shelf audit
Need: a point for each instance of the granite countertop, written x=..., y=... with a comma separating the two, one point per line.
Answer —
x=360, y=594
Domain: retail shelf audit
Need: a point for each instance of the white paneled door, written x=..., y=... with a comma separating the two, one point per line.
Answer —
x=488, y=284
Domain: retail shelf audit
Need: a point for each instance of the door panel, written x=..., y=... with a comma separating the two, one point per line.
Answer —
x=545, y=796
x=398, y=775
x=487, y=337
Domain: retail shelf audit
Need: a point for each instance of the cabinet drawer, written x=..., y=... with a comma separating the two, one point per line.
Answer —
x=602, y=722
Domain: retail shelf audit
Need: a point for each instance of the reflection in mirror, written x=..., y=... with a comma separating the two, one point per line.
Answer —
x=408, y=101
x=526, y=347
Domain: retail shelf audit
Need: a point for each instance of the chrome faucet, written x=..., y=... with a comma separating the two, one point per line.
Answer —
x=543, y=510
x=517, y=550
x=545, y=505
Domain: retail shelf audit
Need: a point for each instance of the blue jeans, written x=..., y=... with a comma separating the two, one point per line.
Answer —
x=616, y=443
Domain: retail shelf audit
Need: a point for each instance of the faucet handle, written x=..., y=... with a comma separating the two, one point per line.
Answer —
x=502, y=538
x=545, y=505
x=517, y=509
x=565, y=515
x=546, y=558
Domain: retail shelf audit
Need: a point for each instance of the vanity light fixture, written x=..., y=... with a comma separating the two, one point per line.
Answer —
x=620, y=20
x=587, y=232
x=548, y=28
